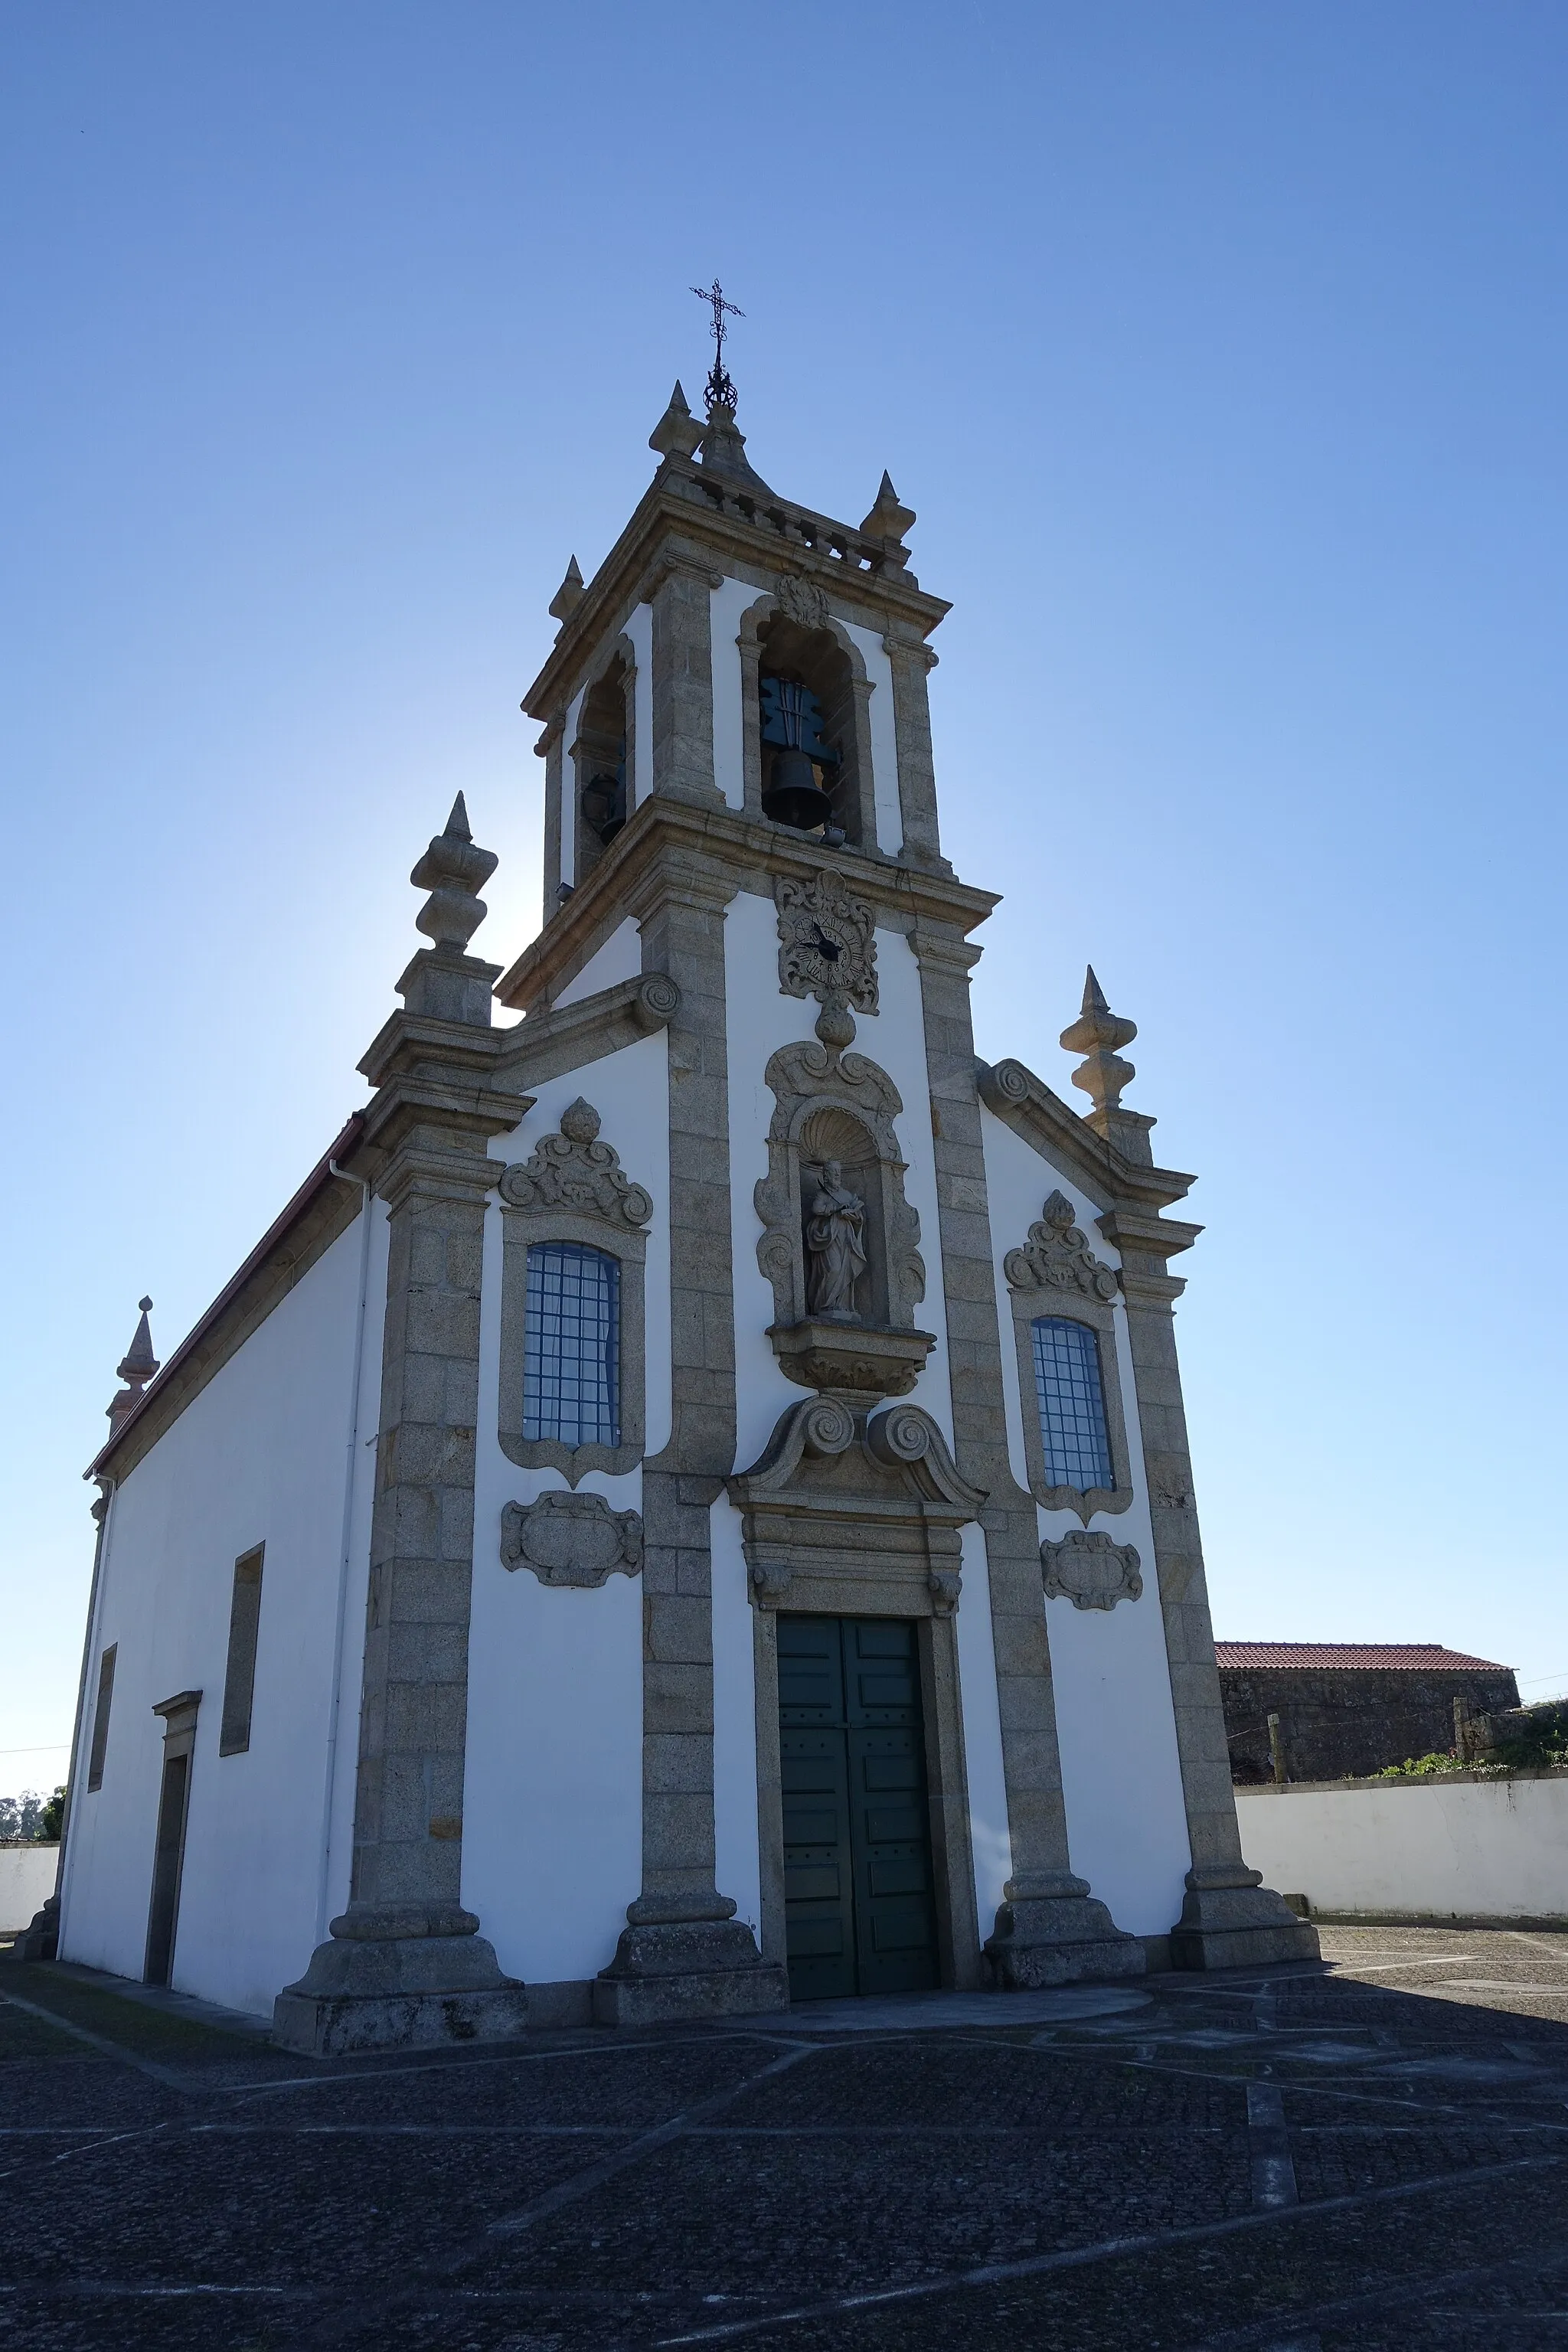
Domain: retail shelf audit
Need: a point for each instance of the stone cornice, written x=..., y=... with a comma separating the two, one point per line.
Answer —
x=716, y=851
x=1130, y=1192
x=721, y=525
x=568, y=1037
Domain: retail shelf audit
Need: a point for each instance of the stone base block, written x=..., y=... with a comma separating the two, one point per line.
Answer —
x=688, y=1969
x=1243, y=1924
x=339, y=2026
x=399, y=1993
x=41, y=1940
x=1059, y=1935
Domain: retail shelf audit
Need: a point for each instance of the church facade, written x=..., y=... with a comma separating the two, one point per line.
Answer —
x=689, y=1508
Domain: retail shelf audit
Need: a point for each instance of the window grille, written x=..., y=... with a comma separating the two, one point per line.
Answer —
x=1072, y=1405
x=571, y=1345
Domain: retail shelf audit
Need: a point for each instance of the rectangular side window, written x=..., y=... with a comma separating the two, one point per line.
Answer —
x=1071, y=1405
x=572, y=1371
x=239, y=1682
x=101, y=1718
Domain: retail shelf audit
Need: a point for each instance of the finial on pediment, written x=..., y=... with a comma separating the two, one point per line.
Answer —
x=887, y=518
x=452, y=869
x=445, y=981
x=1096, y=1035
x=570, y=593
x=677, y=433
x=138, y=1366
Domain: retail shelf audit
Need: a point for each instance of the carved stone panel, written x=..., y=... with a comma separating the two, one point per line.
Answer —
x=571, y=1539
x=827, y=940
x=574, y=1171
x=1057, y=1256
x=1090, y=1570
x=802, y=599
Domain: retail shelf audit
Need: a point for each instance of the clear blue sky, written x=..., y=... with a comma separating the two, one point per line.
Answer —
x=1221, y=348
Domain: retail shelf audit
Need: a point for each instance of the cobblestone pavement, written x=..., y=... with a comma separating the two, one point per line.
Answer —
x=1370, y=2154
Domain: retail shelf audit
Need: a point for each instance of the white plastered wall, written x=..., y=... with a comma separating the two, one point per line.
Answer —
x=260, y=1456
x=619, y=958
x=1127, y=1828
x=552, y=1801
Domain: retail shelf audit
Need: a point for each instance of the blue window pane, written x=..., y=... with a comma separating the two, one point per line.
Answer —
x=1072, y=1405
x=571, y=1345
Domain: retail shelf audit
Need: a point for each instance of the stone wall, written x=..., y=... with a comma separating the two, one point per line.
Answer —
x=1335, y=1722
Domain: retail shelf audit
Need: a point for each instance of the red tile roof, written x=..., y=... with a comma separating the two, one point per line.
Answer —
x=1430, y=1657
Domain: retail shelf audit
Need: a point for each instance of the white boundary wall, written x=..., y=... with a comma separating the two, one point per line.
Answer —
x=1455, y=1847
x=26, y=1883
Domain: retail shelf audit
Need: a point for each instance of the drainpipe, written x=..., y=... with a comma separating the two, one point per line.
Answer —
x=345, y=1550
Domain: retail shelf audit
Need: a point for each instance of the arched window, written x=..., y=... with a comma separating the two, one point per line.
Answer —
x=1071, y=1401
x=572, y=1346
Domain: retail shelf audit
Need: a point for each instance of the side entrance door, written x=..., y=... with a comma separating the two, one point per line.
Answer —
x=859, y=1901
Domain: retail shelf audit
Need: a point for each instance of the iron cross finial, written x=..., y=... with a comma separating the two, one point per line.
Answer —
x=720, y=389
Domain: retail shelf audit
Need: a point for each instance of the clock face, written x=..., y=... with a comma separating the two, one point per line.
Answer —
x=827, y=941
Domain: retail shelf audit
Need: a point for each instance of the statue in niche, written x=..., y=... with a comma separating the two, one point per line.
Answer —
x=835, y=1247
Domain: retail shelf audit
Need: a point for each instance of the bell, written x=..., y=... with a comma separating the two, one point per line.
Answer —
x=603, y=807
x=794, y=796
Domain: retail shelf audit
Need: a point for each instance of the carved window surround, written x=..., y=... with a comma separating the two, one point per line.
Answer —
x=1057, y=1273
x=573, y=1190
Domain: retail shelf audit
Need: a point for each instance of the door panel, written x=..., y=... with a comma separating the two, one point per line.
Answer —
x=859, y=1885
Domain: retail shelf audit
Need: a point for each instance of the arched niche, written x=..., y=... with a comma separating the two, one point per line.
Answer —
x=603, y=759
x=806, y=643
x=834, y=1105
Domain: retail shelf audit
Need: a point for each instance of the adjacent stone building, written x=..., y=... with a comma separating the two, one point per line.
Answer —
x=689, y=1508
x=1320, y=1710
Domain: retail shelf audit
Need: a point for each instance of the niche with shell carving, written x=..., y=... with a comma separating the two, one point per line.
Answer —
x=834, y=1111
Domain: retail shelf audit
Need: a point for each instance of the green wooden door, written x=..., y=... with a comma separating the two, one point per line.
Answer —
x=860, y=1907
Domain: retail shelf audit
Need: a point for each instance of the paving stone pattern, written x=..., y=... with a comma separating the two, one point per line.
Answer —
x=1369, y=2154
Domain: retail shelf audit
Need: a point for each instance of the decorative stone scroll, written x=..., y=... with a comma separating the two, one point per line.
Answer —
x=803, y=601
x=1090, y=1570
x=827, y=940
x=571, y=1539
x=849, y=1514
x=574, y=1171
x=1057, y=1256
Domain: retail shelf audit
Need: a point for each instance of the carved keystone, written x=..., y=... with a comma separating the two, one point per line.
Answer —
x=571, y=1539
x=1090, y=1570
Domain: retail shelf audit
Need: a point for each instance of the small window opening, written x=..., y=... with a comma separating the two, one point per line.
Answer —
x=244, y=1627
x=101, y=1718
x=1071, y=1403
x=571, y=1345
